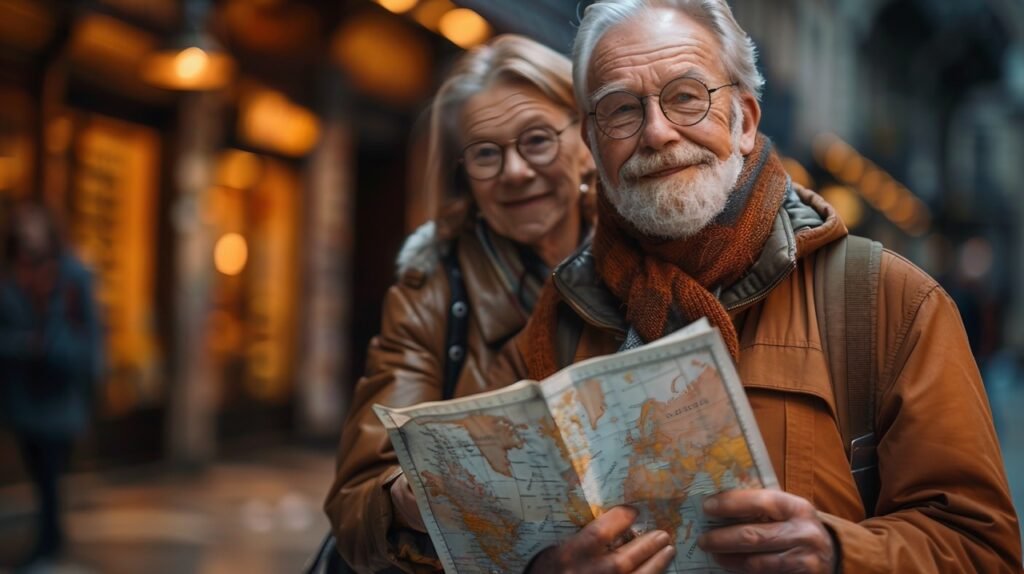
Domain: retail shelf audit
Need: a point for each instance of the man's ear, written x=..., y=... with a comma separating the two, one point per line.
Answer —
x=751, y=120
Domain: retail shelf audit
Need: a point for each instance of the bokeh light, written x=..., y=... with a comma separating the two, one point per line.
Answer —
x=230, y=254
x=464, y=27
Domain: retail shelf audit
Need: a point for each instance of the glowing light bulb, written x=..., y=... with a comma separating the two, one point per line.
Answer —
x=190, y=63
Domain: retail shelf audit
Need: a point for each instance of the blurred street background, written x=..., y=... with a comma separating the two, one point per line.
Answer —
x=239, y=175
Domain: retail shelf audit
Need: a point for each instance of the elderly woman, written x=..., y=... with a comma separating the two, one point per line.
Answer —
x=505, y=146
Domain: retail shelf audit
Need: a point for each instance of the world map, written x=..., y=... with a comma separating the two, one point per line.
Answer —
x=503, y=476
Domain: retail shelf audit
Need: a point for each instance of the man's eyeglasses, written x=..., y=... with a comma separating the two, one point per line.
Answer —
x=538, y=146
x=685, y=101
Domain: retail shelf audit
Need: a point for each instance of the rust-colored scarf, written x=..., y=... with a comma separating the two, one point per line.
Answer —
x=657, y=279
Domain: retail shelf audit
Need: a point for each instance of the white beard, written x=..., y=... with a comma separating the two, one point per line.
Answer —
x=672, y=209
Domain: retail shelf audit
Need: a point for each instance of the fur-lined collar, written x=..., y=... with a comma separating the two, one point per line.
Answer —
x=421, y=252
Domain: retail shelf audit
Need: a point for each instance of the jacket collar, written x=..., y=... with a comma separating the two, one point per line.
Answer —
x=804, y=221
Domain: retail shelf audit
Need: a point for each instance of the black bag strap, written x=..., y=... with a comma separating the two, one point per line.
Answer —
x=846, y=293
x=458, y=323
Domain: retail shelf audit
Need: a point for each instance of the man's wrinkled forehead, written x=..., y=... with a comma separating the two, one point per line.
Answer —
x=664, y=36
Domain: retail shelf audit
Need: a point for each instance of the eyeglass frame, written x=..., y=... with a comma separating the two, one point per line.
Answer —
x=515, y=141
x=643, y=107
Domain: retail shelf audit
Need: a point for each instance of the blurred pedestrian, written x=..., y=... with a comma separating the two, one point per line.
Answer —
x=50, y=356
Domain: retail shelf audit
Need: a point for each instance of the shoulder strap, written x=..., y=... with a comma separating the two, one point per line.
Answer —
x=846, y=293
x=458, y=323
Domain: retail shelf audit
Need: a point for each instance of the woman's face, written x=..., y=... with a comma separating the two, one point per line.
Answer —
x=529, y=203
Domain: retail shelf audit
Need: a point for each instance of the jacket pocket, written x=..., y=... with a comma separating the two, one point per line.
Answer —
x=791, y=395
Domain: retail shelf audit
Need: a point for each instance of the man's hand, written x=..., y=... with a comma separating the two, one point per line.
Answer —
x=407, y=514
x=774, y=532
x=590, y=550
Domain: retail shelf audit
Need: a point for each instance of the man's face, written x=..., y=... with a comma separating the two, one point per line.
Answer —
x=669, y=180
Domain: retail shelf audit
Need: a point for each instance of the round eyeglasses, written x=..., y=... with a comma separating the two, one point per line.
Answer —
x=537, y=145
x=685, y=101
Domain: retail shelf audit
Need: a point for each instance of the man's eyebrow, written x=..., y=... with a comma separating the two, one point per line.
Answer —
x=689, y=72
x=604, y=90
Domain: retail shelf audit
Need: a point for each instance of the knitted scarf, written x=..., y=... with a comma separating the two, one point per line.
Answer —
x=670, y=282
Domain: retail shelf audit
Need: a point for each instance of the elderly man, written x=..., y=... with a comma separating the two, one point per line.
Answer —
x=697, y=218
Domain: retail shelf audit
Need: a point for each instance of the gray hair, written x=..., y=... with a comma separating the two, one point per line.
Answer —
x=739, y=55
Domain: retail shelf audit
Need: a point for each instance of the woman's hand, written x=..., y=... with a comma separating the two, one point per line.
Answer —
x=407, y=513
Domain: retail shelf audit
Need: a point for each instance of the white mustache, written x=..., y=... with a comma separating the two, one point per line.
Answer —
x=681, y=155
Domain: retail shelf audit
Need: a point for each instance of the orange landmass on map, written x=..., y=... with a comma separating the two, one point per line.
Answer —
x=494, y=436
x=494, y=528
x=693, y=432
x=592, y=398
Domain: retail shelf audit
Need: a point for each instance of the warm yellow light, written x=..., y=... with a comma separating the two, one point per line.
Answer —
x=889, y=197
x=904, y=210
x=872, y=182
x=853, y=169
x=836, y=156
x=238, y=169
x=190, y=63
x=12, y=172
x=384, y=57
x=398, y=6
x=846, y=203
x=268, y=119
x=190, y=69
x=464, y=27
x=430, y=12
x=797, y=172
x=230, y=254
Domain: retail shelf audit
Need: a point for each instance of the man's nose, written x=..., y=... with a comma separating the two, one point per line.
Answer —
x=657, y=132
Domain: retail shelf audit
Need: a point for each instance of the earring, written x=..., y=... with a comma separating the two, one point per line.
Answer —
x=584, y=188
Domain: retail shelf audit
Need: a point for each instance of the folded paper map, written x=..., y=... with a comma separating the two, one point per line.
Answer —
x=501, y=475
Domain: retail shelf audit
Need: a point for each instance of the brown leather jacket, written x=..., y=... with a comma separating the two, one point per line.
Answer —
x=405, y=366
x=944, y=504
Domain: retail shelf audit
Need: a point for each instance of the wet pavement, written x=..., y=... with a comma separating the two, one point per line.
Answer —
x=257, y=514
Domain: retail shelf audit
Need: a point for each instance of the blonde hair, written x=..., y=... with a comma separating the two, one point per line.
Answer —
x=739, y=55
x=507, y=58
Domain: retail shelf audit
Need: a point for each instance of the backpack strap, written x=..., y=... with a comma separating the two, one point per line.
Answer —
x=458, y=323
x=846, y=294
